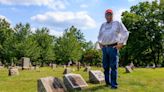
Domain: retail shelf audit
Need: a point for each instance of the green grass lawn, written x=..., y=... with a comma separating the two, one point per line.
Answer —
x=141, y=80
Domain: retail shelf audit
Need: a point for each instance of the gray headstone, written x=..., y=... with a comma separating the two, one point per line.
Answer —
x=69, y=63
x=154, y=66
x=51, y=84
x=64, y=66
x=25, y=63
x=67, y=71
x=131, y=65
x=96, y=77
x=32, y=68
x=13, y=71
x=87, y=69
x=1, y=67
x=74, y=82
x=18, y=67
x=78, y=66
x=128, y=69
x=36, y=67
x=53, y=66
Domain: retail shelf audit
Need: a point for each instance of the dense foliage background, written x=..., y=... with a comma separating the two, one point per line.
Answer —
x=145, y=46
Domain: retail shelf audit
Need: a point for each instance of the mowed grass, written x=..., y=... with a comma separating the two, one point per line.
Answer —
x=141, y=80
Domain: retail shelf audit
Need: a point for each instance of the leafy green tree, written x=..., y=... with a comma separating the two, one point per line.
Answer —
x=68, y=47
x=46, y=44
x=92, y=57
x=6, y=39
x=145, y=45
x=25, y=44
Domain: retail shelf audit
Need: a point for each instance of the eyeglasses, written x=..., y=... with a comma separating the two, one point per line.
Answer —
x=108, y=14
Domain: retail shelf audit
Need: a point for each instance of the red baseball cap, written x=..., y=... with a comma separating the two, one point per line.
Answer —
x=108, y=11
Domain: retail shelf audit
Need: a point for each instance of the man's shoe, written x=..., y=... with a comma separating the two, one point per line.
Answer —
x=108, y=84
x=114, y=87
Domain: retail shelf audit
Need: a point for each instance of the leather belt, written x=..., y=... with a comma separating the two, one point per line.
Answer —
x=111, y=45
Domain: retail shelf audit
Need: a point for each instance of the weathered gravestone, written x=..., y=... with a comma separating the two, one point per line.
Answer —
x=67, y=71
x=13, y=71
x=36, y=67
x=128, y=69
x=74, y=82
x=19, y=67
x=87, y=69
x=96, y=77
x=1, y=67
x=53, y=66
x=69, y=63
x=78, y=66
x=32, y=68
x=51, y=84
x=25, y=63
x=132, y=65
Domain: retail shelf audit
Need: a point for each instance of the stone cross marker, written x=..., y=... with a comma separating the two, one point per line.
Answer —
x=74, y=82
x=51, y=84
x=96, y=77
x=25, y=63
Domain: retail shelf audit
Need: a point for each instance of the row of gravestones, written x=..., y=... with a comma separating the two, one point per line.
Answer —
x=25, y=65
x=13, y=71
x=70, y=82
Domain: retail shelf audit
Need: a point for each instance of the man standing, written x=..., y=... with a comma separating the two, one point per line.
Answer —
x=113, y=36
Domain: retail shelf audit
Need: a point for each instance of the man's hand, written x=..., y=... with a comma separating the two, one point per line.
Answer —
x=101, y=46
x=118, y=46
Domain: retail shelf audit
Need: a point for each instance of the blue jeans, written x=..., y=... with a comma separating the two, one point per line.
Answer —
x=110, y=65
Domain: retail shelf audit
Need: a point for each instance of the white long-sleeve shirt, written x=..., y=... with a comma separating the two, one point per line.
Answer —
x=113, y=32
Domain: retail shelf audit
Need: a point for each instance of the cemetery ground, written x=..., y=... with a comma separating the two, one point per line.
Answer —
x=140, y=80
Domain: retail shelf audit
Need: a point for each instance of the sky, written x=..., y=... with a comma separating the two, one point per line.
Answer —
x=57, y=15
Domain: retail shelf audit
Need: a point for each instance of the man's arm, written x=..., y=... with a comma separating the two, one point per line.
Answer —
x=124, y=34
x=101, y=46
x=99, y=37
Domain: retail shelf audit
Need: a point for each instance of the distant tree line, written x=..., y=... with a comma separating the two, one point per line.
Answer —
x=145, y=46
x=41, y=47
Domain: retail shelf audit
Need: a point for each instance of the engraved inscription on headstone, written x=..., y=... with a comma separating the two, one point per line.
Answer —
x=51, y=84
x=74, y=81
x=96, y=77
